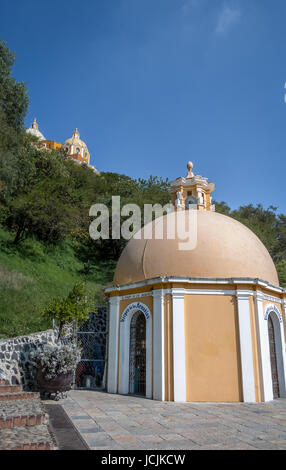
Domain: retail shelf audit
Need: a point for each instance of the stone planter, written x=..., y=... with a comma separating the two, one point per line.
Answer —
x=57, y=385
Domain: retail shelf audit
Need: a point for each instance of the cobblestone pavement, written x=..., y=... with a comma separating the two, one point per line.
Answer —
x=114, y=422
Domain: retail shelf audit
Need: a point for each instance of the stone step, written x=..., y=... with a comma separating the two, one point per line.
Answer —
x=26, y=412
x=18, y=396
x=26, y=438
x=14, y=413
x=10, y=388
x=23, y=420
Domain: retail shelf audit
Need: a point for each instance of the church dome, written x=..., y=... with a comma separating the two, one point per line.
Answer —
x=75, y=140
x=224, y=248
x=77, y=148
x=34, y=130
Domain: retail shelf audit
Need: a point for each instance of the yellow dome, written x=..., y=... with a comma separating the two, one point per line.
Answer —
x=225, y=249
x=76, y=148
x=75, y=140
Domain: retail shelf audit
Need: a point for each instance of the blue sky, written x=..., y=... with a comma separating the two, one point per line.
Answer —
x=152, y=84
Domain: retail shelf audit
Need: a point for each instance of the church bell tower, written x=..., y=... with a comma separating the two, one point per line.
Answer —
x=193, y=192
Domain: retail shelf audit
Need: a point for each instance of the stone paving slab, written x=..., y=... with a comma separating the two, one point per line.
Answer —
x=107, y=421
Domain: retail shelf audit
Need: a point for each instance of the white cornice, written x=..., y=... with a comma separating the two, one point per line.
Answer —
x=180, y=292
x=188, y=280
x=196, y=180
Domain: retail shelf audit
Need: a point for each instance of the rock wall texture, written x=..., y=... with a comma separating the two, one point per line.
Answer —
x=15, y=364
x=16, y=367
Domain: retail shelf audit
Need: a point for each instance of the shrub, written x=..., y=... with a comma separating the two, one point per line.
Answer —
x=56, y=359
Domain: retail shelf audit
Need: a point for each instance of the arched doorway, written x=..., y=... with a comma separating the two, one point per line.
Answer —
x=273, y=358
x=137, y=355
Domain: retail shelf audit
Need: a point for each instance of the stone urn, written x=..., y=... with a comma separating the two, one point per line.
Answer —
x=57, y=385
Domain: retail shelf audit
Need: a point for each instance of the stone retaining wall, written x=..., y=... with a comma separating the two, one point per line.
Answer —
x=15, y=364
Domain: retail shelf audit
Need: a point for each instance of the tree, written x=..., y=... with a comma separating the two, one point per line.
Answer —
x=14, y=161
x=13, y=95
x=73, y=309
x=280, y=250
x=131, y=191
x=222, y=207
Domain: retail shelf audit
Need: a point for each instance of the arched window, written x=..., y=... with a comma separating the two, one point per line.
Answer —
x=190, y=201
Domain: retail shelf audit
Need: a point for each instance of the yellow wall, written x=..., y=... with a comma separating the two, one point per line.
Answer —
x=213, y=371
x=52, y=145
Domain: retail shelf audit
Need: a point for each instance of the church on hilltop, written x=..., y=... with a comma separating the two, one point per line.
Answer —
x=75, y=147
x=206, y=324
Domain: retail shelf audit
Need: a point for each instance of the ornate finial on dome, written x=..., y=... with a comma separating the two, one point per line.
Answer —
x=34, y=124
x=190, y=166
x=76, y=133
x=34, y=130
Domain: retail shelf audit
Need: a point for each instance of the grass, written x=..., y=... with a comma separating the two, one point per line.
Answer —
x=33, y=273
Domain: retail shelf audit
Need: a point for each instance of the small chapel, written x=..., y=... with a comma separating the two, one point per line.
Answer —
x=203, y=324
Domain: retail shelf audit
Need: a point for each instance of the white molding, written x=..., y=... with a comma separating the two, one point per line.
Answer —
x=190, y=280
x=248, y=383
x=179, y=350
x=200, y=292
x=113, y=345
x=124, y=359
x=185, y=292
x=263, y=344
x=158, y=346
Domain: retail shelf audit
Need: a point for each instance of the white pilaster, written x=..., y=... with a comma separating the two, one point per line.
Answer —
x=179, y=351
x=149, y=357
x=113, y=345
x=263, y=342
x=158, y=346
x=123, y=382
x=284, y=310
x=248, y=384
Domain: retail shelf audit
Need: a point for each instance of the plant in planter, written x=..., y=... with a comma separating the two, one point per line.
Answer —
x=56, y=363
x=55, y=366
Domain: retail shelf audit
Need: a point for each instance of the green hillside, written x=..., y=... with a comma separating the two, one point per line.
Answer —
x=33, y=273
